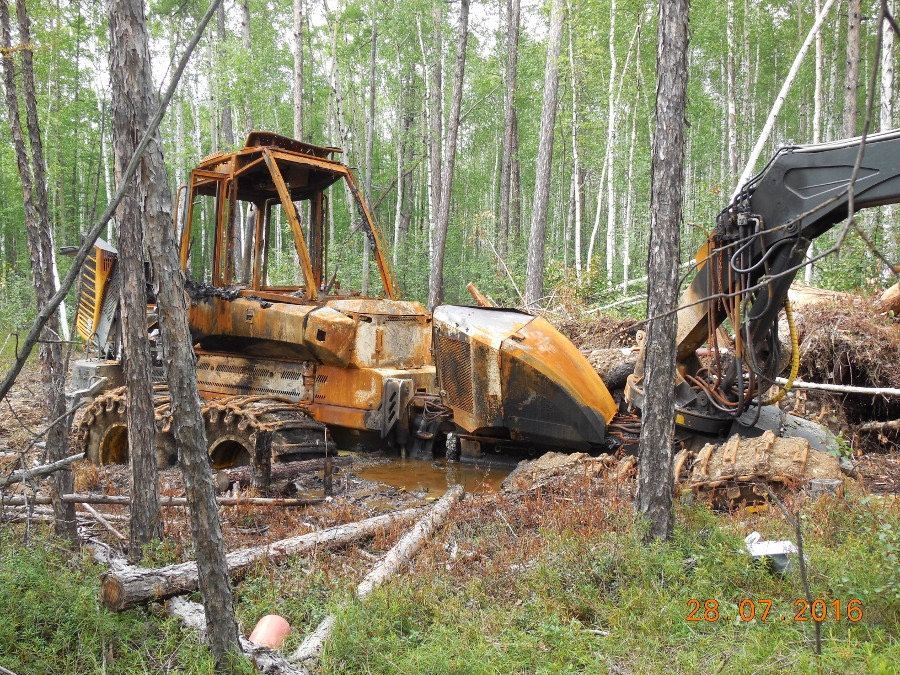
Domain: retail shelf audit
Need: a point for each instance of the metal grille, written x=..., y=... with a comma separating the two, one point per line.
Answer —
x=235, y=375
x=455, y=363
x=87, y=296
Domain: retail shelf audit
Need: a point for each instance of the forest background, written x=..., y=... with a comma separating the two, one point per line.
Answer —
x=364, y=76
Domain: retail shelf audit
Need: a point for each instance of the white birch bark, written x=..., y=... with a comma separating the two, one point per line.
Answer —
x=610, y=148
x=887, y=122
x=817, y=130
x=576, y=166
x=298, y=69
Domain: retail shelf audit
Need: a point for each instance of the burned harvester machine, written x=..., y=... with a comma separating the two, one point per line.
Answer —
x=289, y=358
x=275, y=235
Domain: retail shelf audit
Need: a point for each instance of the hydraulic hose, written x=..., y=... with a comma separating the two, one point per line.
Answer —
x=795, y=355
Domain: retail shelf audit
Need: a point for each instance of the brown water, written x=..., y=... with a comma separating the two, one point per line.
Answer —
x=436, y=476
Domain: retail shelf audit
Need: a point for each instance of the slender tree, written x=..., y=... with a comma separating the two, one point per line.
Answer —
x=654, y=490
x=132, y=63
x=509, y=118
x=436, y=278
x=146, y=524
x=534, y=278
x=298, y=69
x=40, y=243
x=851, y=81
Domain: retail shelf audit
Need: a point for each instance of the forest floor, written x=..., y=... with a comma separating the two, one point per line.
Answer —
x=544, y=572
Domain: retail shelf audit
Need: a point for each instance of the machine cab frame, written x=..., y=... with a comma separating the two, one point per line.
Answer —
x=247, y=194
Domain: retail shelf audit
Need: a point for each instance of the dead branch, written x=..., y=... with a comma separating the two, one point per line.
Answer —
x=125, y=500
x=841, y=388
x=129, y=586
x=104, y=522
x=798, y=532
x=285, y=471
x=395, y=559
x=39, y=471
x=266, y=660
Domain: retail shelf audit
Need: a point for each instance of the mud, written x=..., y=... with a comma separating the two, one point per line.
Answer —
x=434, y=478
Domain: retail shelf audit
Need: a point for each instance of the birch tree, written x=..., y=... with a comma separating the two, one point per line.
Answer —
x=851, y=81
x=298, y=68
x=436, y=278
x=39, y=235
x=534, y=276
x=509, y=126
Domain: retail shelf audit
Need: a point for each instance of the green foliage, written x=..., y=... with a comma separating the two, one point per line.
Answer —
x=610, y=603
x=52, y=622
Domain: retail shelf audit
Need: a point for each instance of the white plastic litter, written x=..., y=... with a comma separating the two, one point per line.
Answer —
x=776, y=551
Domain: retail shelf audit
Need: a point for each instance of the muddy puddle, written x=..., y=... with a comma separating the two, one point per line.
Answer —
x=435, y=476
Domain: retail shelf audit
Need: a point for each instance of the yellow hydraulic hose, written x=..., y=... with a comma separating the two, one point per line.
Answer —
x=795, y=355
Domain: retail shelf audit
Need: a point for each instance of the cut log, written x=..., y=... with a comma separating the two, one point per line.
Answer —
x=394, y=560
x=39, y=471
x=889, y=300
x=266, y=660
x=130, y=586
x=879, y=427
x=613, y=366
x=124, y=500
x=278, y=472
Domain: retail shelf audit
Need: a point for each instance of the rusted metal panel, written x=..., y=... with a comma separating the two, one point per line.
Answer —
x=330, y=336
x=509, y=372
x=220, y=375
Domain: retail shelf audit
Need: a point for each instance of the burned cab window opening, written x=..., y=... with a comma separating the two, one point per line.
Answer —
x=201, y=246
x=351, y=262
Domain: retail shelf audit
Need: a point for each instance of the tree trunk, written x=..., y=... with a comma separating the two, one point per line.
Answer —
x=146, y=524
x=629, y=204
x=891, y=247
x=534, y=277
x=509, y=101
x=817, y=126
x=298, y=69
x=654, y=490
x=246, y=45
x=434, y=111
x=40, y=243
x=610, y=149
x=226, y=127
x=129, y=586
x=128, y=29
x=436, y=278
x=851, y=83
x=370, y=146
x=576, y=168
x=733, y=167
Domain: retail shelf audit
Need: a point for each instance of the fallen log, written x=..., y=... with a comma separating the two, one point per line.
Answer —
x=39, y=471
x=104, y=522
x=889, y=300
x=893, y=425
x=278, y=472
x=394, y=560
x=130, y=586
x=841, y=388
x=266, y=660
x=125, y=500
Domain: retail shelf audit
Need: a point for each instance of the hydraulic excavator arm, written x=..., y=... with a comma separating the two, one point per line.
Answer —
x=746, y=267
